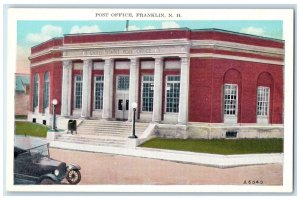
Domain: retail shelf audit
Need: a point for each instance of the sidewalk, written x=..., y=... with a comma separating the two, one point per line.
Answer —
x=220, y=161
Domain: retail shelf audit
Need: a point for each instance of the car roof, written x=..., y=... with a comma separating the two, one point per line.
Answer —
x=26, y=143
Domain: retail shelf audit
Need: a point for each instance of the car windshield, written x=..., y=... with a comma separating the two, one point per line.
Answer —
x=41, y=151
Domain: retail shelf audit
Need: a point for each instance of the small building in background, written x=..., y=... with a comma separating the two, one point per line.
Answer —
x=22, y=91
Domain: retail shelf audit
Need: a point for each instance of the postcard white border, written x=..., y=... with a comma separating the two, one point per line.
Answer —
x=286, y=15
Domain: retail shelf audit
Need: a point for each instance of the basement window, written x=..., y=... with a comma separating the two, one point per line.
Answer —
x=44, y=122
x=231, y=134
x=34, y=120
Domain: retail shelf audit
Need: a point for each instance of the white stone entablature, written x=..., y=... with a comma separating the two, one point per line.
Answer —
x=127, y=52
x=157, y=48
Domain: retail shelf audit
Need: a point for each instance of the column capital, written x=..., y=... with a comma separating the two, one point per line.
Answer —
x=67, y=63
x=184, y=60
x=158, y=57
x=87, y=62
x=158, y=60
x=133, y=60
x=108, y=60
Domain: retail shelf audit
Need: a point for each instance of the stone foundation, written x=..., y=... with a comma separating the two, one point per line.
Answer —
x=61, y=122
x=171, y=131
x=217, y=131
x=39, y=118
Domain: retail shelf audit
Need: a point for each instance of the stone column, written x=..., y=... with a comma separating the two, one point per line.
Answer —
x=184, y=91
x=133, y=85
x=108, y=89
x=86, y=88
x=158, y=76
x=66, y=88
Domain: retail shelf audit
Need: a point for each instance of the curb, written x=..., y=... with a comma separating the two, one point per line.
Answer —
x=214, y=160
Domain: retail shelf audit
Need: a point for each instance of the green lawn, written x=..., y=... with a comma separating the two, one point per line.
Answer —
x=31, y=129
x=219, y=146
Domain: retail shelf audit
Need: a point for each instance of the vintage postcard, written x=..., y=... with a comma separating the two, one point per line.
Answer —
x=165, y=100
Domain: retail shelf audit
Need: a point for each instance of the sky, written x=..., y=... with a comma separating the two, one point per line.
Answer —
x=31, y=33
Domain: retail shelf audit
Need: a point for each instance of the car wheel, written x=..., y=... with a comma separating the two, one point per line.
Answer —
x=47, y=181
x=73, y=176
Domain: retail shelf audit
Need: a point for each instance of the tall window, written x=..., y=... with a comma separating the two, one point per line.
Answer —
x=147, y=93
x=263, y=101
x=36, y=91
x=98, y=97
x=172, y=94
x=230, y=99
x=46, y=91
x=123, y=82
x=78, y=92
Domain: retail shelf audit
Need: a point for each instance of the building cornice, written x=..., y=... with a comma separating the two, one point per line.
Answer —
x=235, y=46
x=192, y=55
x=160, y=48
x=119, y=44
x=241, y=58
x=44, y=52
x=194, y=44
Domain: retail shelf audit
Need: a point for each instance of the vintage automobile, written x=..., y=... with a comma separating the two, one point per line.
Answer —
x=33, y=165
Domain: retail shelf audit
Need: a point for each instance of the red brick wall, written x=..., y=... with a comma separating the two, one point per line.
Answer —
x=200, y=100
x=127, y=36
x=234, y=37
x=40, y=71
x=174, y=34
x=235, y=53
x=56, y=54
x=56, y=85
x=55, y=70
x=206, y=86
x=50, y=43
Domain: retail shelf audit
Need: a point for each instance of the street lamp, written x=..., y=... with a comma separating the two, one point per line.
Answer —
x=134, y=106
x=54, y=103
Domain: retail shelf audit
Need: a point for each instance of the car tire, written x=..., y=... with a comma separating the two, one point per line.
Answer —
x=47, y=181
x=73, y=176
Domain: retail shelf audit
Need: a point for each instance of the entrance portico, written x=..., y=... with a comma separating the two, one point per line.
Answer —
x=121, y=90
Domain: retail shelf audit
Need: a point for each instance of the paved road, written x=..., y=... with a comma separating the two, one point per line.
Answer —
x=99, y=168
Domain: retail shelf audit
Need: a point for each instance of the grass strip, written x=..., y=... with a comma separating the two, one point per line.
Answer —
x=219, y=146
x=31, y=129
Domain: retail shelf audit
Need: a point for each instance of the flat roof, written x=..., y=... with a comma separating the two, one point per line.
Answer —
x=175, y=29
x=159, y=30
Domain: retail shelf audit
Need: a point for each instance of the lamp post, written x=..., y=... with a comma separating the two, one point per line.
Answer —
x=54, y=103
x=134, y=106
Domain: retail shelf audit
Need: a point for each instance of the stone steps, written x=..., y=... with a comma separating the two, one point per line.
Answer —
x=103, y=133
x=106, y=127
x=109, y=128
x=93, y=141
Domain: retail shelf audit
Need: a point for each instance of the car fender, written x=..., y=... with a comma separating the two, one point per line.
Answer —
x=51, y=176
x=73, y=166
